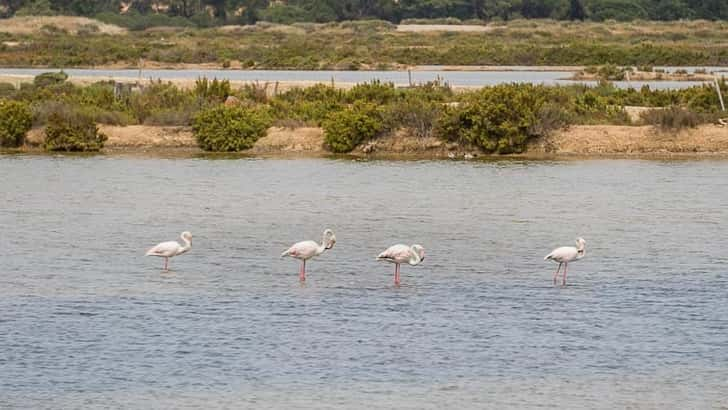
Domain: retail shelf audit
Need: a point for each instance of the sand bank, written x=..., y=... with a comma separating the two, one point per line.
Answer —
x=579, y=140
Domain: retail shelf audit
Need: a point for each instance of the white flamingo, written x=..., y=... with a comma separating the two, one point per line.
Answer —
x=308, y=249
x=566, y=254
x=398, y=254
x=170, y=249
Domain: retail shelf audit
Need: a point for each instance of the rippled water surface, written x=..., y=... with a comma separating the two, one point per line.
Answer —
x=87, y=321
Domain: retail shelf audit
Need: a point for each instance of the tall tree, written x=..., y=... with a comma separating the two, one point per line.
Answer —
x=576, y=10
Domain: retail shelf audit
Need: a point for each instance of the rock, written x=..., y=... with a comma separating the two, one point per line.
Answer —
x=369, y=148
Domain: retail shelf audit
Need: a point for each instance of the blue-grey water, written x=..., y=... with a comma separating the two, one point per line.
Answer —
x=86, y=321
x=399, y=78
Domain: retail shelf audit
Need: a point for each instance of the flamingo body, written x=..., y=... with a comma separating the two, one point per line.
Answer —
x=399, y=254
x=566, y=254
x=171, y=249
x=306, y=250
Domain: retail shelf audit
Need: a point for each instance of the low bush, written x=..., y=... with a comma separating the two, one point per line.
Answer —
x=374, y=91
x=72, y=132
x=345, y=129
x=550, y=117
x=49, y=79
x=215, y=91
x=308, y=105
x=611, y=72
x=497, y=119
x=7, y=90
x=160, y=96
x=672, y=118
x=416, y=114
x=15, y=121
x=226, y=129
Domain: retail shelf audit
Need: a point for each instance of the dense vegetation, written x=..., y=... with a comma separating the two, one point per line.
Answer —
x=205, y=13
x=377, y=45
x=15, y=122
x=222, y=128
x=72, y=131
x=499, y=119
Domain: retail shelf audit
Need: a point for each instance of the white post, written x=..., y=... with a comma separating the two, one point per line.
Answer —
x=720, y=96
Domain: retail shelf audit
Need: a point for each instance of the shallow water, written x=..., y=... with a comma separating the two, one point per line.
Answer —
x=400, y=78
x=87, y=321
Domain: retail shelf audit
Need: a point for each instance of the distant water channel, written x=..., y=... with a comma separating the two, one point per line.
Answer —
x=400, y=78
x=86, y=321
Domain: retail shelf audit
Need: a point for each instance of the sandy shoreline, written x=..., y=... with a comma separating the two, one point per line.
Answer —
x=576, y=141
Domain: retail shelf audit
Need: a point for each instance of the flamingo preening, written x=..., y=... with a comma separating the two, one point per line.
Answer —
x=170, y=249
x=398, y=254
x=566, y=254
x=308, y=249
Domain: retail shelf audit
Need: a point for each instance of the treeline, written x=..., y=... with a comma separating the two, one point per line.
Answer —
x=207, y=13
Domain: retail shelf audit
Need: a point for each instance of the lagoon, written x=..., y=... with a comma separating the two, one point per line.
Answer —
x=87, y=321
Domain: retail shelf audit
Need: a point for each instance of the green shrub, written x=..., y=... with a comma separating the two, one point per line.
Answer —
x=611, y=72
x=345, y=129
x=497, y=119
x=161, y=96
x=48, y=79
x=416, y=114
x=15, y=121
x=6, y=90
x=214, y=91
x=550, y=117
x=375, y=92
x=308, y=105
x=225, y=129
x=72, y=132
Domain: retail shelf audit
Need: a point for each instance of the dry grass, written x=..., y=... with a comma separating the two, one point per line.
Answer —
x=32, y=25
x=423, y=28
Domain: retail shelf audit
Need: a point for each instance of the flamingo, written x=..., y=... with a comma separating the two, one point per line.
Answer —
x=398, y=254
x=308, y=249
x=566, y=254
x=170, y=249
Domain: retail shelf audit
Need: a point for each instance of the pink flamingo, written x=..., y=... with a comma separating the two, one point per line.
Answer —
x=170, y=249
x=308, y=249
x=398, y=254
x=566, y=254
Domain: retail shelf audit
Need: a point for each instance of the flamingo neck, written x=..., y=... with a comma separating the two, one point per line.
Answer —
x=321, y=248
x=186, y=247
x=414, y=257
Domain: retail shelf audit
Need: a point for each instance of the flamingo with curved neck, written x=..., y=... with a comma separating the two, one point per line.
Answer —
x=171, y=249
x=398, y=254
x=306, y=250
x=566, y=254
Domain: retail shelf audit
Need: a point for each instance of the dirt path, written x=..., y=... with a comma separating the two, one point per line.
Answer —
x=615, y=139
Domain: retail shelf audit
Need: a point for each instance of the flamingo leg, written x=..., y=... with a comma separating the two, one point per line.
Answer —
x=566, y=268
x=302, y=275
x=166, y=262
x=556, y=274
x=396, y=274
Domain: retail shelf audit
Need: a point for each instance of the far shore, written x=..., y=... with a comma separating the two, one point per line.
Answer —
x=597, y=141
